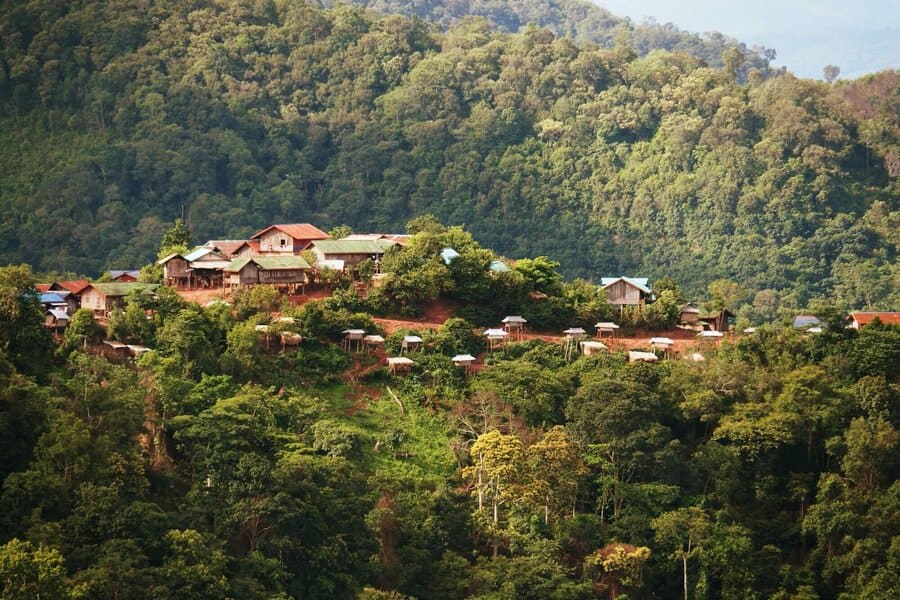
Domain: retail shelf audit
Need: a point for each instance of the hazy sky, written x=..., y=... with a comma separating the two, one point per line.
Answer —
x=858, y=35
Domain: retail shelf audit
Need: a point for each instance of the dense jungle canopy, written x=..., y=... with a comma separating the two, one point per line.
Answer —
x=606, y=152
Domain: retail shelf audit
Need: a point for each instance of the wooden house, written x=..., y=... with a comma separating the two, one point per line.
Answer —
x=287, y=239
x=176, y=271
x=718, y=321
x=690, y=314
x=103, y=298
x=56, y=319
x=207, y=266
x=350, y=252
x=74, y=287
x=860, y=319
x=626, y=291
x=285, y=272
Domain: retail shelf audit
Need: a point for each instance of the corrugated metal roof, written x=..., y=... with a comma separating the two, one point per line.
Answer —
x=642, y=283
x=59, y=315
x=202, y=252
x=298, y=231
x=864, y=318
x=225, y=247
x=51, y=298
x=346, y=246
x=74, y=285
x=806, y=321
x=118, y=288
x=268, y=263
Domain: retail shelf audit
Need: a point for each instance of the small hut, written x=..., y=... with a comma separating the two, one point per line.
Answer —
x=710, y=336
x=56, y=319
x=662, y=343
x=400, y=364
x=137, y=351
x=289, y=338
x=353, y=337
x=465, y=361
x=515, y=325
x=495, y=337
x=573, y=336
x=373, y=341
x=410, y=343
x=115, y=349
x=635, y=356
x=606, y=328
x=590, y=347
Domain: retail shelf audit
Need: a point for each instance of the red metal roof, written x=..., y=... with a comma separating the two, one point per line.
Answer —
x=42, y=287
x=74, y=285
x=298, y=231
x=864, y=318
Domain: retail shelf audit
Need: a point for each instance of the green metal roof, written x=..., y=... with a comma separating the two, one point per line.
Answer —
x=123, y=289
x=269, y=263
x=353, y=246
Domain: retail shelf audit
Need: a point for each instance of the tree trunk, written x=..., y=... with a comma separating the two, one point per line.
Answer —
x=684, y=565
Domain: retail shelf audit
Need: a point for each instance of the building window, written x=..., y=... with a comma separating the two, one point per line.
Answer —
x=283, y=242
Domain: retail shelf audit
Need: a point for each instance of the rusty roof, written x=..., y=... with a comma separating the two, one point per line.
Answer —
x=298, y=231
x=864, y=318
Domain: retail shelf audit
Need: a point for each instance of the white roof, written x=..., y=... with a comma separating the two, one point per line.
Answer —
x=634, y=355
x=495, y=333
x=116, y=345
x=606, y=325
x=514, y=319
x=814, y=330
x=750, y=330
x=411, y=338
x=463, y=358
x=135, y=349
x=373, y=339
x=262, y=328
x=216, y=265
x=594, y=345
x=59, y=315
x=695, y=356
x=354, y=331
x=710, y=334
x=661, y=341
x=399, y=360
x=574, y=331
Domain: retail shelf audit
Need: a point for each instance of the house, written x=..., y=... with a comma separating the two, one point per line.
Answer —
x=247, y=249
x=287, y=239
x=176, y=271
x=227, y=248
x=718, y=321
x=690, y=314
x=350, y=252
x=286, y=272
x=123, y=276
x=103, y=298
x=626, y=291
x=498, y=266
x=56, y=319
x=74, y=287
x=858, y=319
x=206, y=265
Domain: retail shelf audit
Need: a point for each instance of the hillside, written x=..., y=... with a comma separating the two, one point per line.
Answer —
x=120, y=117
x=222, y=464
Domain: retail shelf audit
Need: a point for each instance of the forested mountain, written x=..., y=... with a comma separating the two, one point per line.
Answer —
x=121, y=116
x=581, y=20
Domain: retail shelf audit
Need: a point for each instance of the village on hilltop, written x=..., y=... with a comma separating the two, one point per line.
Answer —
x=290, y=257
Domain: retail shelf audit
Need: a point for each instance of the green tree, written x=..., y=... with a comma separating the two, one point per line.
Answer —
x=29, y=572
